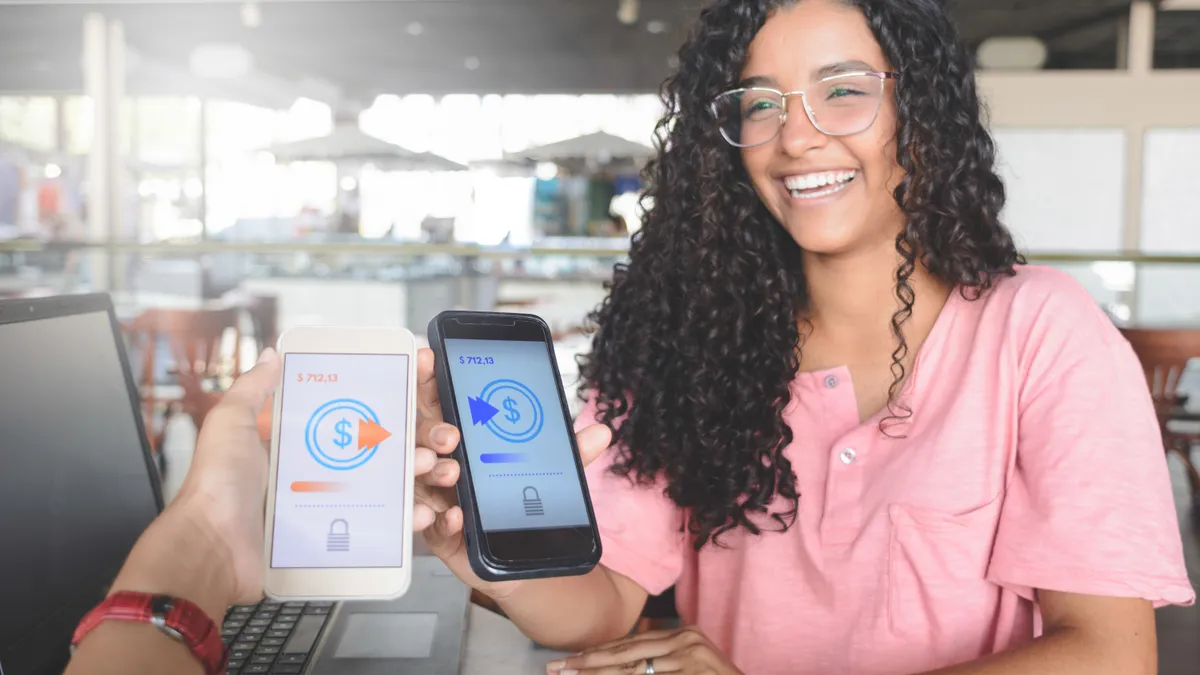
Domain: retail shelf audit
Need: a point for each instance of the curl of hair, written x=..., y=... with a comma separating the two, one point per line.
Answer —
x=697, y=343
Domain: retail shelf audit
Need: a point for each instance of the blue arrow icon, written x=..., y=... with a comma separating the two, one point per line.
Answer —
x=481, y=411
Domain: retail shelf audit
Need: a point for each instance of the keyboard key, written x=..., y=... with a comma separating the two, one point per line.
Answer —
x=236, y=663
x=264, y=615
x=286, y=669
x=256, y=668
x=243, y=645
x=239, y=654
x=267, y=650
x=293, y=604
x=254, y=630
x=263, y=658
x=271, y=642
x=297, y=659
x=230, y=632
x=271, y=605
x=291, y=610
x=317, y=610
x=260, y=622
x=322, y=603
x=278, y=633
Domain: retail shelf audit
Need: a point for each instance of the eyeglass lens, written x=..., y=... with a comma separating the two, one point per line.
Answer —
x=840, y=106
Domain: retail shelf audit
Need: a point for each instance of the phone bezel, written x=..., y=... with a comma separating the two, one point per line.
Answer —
x=338, y=583
x=526, y=548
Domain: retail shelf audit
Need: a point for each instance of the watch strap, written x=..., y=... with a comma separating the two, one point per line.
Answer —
x=179, y=619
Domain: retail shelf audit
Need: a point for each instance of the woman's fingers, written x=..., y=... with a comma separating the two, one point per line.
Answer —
x=436, y=435
x=423, y=517
x=443, y=534
x=424, y=461
x=592, y=442
x=619, y=657
x=428, y=401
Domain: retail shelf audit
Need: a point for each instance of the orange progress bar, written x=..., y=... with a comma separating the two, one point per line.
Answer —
x=317, y=486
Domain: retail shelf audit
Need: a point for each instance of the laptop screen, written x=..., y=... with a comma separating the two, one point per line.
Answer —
x=76, y=489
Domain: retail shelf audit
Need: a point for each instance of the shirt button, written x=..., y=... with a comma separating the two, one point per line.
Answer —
x=831, y=381
x=848, y=456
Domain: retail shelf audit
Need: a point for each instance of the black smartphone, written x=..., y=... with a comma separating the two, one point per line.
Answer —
x=527, y=512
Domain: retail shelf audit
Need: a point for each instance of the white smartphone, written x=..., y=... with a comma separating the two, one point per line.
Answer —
x=340, y=497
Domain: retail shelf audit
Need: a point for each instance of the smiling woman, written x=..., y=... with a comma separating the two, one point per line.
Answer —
x=851, y=427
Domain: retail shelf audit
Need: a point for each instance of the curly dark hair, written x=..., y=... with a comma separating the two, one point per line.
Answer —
x=698, y=341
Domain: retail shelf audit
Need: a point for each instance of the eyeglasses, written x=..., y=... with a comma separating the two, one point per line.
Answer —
x=838, y=106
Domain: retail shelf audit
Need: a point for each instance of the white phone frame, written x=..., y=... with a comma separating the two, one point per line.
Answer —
x=343, y=583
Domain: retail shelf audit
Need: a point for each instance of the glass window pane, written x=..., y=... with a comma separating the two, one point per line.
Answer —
x=1066, y=188
x=1170, y=198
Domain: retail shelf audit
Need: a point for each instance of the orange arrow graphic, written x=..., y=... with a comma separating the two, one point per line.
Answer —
x=370, y=433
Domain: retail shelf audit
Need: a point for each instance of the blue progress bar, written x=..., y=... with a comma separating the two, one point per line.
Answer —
x=501, y=458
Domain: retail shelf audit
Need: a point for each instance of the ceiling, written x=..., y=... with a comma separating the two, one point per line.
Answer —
x=361, y=49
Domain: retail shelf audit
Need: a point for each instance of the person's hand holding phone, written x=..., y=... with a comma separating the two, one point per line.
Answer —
x=437, y=513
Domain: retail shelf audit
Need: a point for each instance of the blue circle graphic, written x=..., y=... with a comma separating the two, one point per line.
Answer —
x=532, y=428
x=313, y=443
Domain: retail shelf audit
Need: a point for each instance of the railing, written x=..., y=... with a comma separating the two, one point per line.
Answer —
x=412, y=249
x=1134, y=288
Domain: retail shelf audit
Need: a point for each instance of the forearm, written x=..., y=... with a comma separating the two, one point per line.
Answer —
x=1066, y=651
x=172, y=558
x=572, y=612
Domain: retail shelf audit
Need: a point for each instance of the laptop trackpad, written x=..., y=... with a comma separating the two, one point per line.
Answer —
x=405, y=635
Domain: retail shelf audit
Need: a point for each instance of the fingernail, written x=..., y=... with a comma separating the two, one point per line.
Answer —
x=556, y=665
x=268, y=354
x=569, y=671
x=441, y=435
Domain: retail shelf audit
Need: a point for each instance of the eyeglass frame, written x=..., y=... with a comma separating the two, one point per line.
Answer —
x=882, y=75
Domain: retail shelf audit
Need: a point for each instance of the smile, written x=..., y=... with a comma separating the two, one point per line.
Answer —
x=817, y=185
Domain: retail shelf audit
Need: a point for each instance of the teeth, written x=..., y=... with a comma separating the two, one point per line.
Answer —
x=816, y=180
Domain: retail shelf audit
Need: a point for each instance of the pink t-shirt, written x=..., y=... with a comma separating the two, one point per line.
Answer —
x=1032, y=460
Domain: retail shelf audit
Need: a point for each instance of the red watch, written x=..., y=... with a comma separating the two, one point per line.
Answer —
x=183, y=621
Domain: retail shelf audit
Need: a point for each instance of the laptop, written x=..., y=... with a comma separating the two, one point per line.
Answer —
x=78, y=486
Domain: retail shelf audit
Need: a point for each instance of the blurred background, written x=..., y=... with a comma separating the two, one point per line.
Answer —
x=375, y=162
x=230, y=168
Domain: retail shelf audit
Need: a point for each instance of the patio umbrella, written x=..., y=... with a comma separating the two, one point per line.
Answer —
x=349, y=144
x=591, y=150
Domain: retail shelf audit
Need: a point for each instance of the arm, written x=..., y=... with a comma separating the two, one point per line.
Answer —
x=175, y=557
x=206, y=546
x=549, y=611
x=1084, y=634
x=565, y=612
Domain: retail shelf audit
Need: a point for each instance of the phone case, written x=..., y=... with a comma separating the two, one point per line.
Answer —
x=472, y=529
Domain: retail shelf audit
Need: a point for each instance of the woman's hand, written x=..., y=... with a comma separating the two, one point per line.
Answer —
x=685, y=651
x=437, y=513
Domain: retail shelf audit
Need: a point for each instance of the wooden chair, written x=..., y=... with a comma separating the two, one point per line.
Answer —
x=1164, y=355
x=264, y=317
x=200, y=369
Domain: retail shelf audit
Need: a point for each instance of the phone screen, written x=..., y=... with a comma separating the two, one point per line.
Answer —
x=339, y=493
x=523, y=469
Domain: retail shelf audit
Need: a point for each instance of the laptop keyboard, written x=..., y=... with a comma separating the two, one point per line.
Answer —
x=273, y=637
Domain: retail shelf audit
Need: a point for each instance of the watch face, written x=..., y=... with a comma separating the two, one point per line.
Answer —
x=162, y=605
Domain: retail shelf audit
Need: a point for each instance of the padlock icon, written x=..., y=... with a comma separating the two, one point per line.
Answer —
x=533, y=502
x=339, y=537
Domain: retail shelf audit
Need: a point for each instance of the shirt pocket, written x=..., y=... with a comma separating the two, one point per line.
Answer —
x=937, y=591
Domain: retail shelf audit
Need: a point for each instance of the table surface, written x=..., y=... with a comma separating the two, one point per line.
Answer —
x=494, y=646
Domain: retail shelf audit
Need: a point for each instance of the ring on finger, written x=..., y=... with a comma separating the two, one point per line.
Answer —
x=649, y=667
